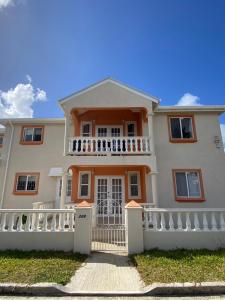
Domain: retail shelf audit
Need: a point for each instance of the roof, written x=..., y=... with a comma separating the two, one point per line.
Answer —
x=200, y=108
x=32, y=121
x=107, y=80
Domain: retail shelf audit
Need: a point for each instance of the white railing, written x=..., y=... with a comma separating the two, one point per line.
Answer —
x=36, y=220
x=71, y=205
x=43, y=205
x=111, y=145
x=196, y=219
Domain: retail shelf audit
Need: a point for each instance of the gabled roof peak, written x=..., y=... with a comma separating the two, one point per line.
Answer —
x=113, y=81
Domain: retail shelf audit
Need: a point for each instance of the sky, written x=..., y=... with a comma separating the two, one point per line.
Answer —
x=171, y=49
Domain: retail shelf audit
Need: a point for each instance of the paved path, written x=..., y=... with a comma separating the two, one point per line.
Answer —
x=107, y=272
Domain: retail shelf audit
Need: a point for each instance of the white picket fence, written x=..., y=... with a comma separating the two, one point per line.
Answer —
x=208, y=219
x=37, y=220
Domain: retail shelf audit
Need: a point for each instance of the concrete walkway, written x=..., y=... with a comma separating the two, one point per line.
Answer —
x=106, y=272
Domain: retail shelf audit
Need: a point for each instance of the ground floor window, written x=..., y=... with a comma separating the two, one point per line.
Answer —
x=134, y=185
x=26, y=183
x=68, y=187
x=188, y=185
x=84, y=185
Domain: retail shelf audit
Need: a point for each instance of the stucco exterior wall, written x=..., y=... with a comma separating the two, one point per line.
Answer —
x=202, y=155
x=32, y=158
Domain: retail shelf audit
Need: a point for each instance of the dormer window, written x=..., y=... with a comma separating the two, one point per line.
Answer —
x=32, y=135
x=182, y=129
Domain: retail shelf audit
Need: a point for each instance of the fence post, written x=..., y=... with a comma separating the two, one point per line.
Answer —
x=134, y=227
x=83, y=228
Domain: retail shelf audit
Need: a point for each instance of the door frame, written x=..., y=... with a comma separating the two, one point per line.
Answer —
x=108, y=127
x=109, y=177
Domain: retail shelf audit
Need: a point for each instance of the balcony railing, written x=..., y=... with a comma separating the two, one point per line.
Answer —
x=109, y=145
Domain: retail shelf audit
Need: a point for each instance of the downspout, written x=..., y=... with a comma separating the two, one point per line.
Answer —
x=7, y=164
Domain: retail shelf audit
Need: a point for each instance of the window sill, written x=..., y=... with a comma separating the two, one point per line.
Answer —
x=189, y=199
x=31, y=143
x=24, y=193
x=183, y=141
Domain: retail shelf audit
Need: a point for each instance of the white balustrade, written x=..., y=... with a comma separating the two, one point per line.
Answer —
x=208, y=219
x=112, y=145
x=37, y=220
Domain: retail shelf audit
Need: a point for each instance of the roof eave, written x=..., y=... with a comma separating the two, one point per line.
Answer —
x=201, y=108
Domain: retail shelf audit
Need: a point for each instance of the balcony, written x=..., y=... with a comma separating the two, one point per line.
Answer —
x=109, y=145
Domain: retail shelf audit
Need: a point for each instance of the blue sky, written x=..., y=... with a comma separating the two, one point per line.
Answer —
x=165, y=48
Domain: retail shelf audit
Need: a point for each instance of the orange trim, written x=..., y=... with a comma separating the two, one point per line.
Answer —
x=187, y=199
x=1, y=135
x=175, y=140
x=101, y=117
x=22, y=142
x=26, y=193
x=108, y=171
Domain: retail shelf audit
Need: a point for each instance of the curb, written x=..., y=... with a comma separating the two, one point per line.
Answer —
x=174, y=289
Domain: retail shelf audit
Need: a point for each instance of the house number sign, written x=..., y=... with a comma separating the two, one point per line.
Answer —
x=82, y=216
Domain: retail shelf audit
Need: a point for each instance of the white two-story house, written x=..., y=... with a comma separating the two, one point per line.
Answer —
x=115, y=144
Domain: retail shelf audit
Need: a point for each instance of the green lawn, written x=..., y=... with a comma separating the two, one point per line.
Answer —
x=180, y=266
x=38, y=266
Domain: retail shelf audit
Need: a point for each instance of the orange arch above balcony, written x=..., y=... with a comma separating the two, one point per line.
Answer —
x=108, y=117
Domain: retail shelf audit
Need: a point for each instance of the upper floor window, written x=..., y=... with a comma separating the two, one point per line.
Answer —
x=131, y=129
x=1, y=140
x=188, y=185
x=182, y=129
x=32, y=135
x=26, y=183
x=86, y=128
x=134, y=185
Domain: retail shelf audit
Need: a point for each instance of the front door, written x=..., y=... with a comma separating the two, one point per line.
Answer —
x=109, y=195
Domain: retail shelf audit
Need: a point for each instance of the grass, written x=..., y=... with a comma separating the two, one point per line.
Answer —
x=38, y=266
x=180, y=266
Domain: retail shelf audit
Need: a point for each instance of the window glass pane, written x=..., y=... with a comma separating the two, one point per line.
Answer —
x=134, y=190
x=175, y=128
x=28, y=134
x=86, y=130
x=187, y=128
x=181, y=184
x=84, y=190
x=21, y=183
x=84, y=179
x=1, y=140
x=69, y=187
x=115, y=131
x=102, y=132
x=193, y=184
x=31, y=185
x=133, y=179
x=37, y=134
x=130, y=129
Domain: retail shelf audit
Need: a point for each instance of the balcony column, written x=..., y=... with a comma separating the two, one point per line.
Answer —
x=154, y=188
x=151, y=133
x=63, y=190
x=66, y=135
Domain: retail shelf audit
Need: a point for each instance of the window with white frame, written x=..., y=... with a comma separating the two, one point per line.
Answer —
x=32, y=134
x=26, y=182
x=68, y=187
x=131, y=129
x=188, y=184
x=1, y=140
x=134, y=185
x=181, y=128
x=84, y=184
x=86, y=128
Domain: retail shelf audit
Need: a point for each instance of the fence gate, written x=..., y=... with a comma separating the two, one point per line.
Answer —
x=108, y=226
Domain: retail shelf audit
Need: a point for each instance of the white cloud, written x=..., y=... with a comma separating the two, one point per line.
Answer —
x=222, y=127
x=17, y=102
x=29, y=79
x=5, y=3
x=188, y=100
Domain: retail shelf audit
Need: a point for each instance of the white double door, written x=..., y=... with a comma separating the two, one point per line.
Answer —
x=109, y=195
